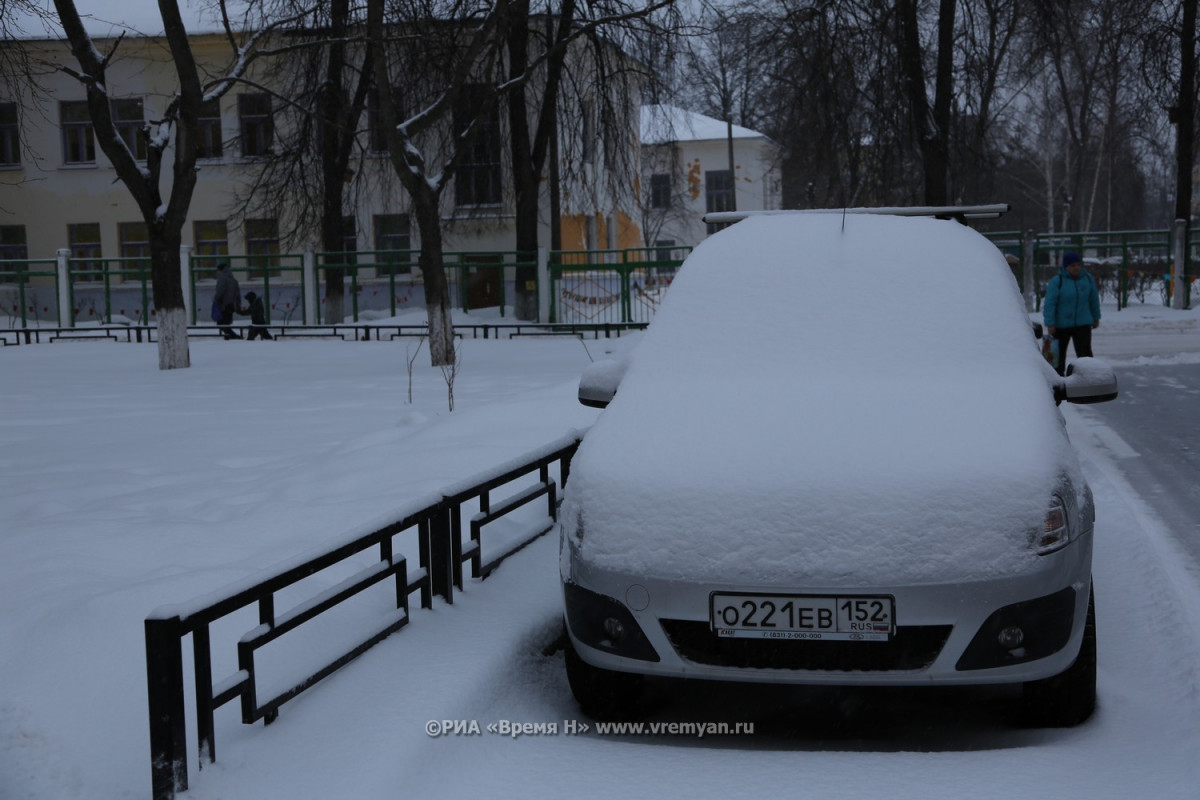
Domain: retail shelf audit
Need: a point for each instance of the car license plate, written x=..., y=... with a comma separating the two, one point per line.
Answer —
x=854, y=618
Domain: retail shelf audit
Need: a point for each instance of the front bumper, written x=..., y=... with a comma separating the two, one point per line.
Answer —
x=946, y=634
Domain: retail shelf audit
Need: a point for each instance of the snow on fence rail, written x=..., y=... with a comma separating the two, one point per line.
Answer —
x=437, y=522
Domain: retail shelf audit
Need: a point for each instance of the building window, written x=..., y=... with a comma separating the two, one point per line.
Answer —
x=257, y=124
x=393, y=240
x=208, y=131
x=84, y=241
x=588, y=144
x=10, y=136
x=348, y=256
x=718, y=195
x=477, y=182
x=134, y=243
x=212, y=244
x=129, y=119
x=349, y=240
x=660, y=191
x=262, y=247
x=12, y=243
x=79, y=145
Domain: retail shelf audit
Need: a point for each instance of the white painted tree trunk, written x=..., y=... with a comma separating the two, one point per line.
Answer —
x=173, y=340
x=441, y=335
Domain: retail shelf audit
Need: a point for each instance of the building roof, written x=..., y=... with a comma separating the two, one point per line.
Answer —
x=662, y=124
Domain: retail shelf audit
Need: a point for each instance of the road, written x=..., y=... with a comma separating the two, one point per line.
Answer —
x=1153, y=427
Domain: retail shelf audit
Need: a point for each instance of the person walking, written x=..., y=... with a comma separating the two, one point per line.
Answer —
x=226, y=299
x=1071, y=309
x=258, y=317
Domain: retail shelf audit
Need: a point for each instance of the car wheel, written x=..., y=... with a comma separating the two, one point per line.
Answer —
x=602, y=694
x=1068, y=698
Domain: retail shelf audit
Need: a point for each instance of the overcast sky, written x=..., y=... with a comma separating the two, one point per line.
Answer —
x=111, y=17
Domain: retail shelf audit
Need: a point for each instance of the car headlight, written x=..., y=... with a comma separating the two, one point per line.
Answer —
x=1055, y=532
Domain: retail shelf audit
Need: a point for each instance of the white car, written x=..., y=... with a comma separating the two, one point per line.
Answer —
x=835, y=457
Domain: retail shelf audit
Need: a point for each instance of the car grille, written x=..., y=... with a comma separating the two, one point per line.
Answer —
x=912, y=648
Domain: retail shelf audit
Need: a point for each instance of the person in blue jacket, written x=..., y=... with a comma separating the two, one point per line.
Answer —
x=1071, y=309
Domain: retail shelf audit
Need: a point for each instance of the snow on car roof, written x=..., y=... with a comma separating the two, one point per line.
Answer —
x=828, y=425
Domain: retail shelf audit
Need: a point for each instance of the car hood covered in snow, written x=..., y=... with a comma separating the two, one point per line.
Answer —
x=792, y=414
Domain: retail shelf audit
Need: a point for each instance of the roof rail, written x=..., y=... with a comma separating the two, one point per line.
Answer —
x=960, y=213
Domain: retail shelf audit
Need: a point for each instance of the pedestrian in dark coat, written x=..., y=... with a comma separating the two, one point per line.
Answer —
x=258, y=317
x=1071, y=309
x=227, y=299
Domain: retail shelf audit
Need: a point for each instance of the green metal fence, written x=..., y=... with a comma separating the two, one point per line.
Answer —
x=1127, y=265
x=1124, y=263
x=383, y=281
x=587, y=287
x=278, y=278
x=125, y=290
x=28, y=291
x=611, y=286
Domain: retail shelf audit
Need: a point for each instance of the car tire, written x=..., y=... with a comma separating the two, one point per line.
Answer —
x=1069, y=698
x=602, y=694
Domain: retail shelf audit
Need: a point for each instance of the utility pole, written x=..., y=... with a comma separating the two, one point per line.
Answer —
x=732, y=173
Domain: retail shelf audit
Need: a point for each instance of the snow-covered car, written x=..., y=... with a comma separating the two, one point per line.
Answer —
x=834, y=458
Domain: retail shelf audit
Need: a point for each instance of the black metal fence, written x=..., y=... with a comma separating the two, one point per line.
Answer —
x=358, y=332
x=437, y=522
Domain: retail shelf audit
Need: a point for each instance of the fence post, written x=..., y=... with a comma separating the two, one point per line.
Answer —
x=543, y=284
x=441, y=566
x=1179, y=259
x=65, y=312
x=1027, y=256
x=185, y=281
x=309, y=278
x=164, y=685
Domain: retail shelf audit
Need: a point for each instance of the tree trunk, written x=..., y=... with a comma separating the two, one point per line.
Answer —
x=930, y=125
x=433, y=274
x=525, y=173
x=333, y=242
x=335, y=154
x=527, y=207
x=169, y=308
x=529, y=149
x=1185, y=113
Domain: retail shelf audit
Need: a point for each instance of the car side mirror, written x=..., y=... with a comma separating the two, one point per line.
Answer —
x=599, y=381
x=1088, y=380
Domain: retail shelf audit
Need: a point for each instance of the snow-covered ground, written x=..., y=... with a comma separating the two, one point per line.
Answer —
x=123, y=488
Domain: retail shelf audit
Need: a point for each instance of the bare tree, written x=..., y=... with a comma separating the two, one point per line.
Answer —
x=1168, y=80
x=427, y=148
x=453, y=113
x=1185, y=111
x=930, y=120
x=530, y=140
x=728, y=63
x=985, y=92
x=545, y=59
x=177, y=125
x=315, y=167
